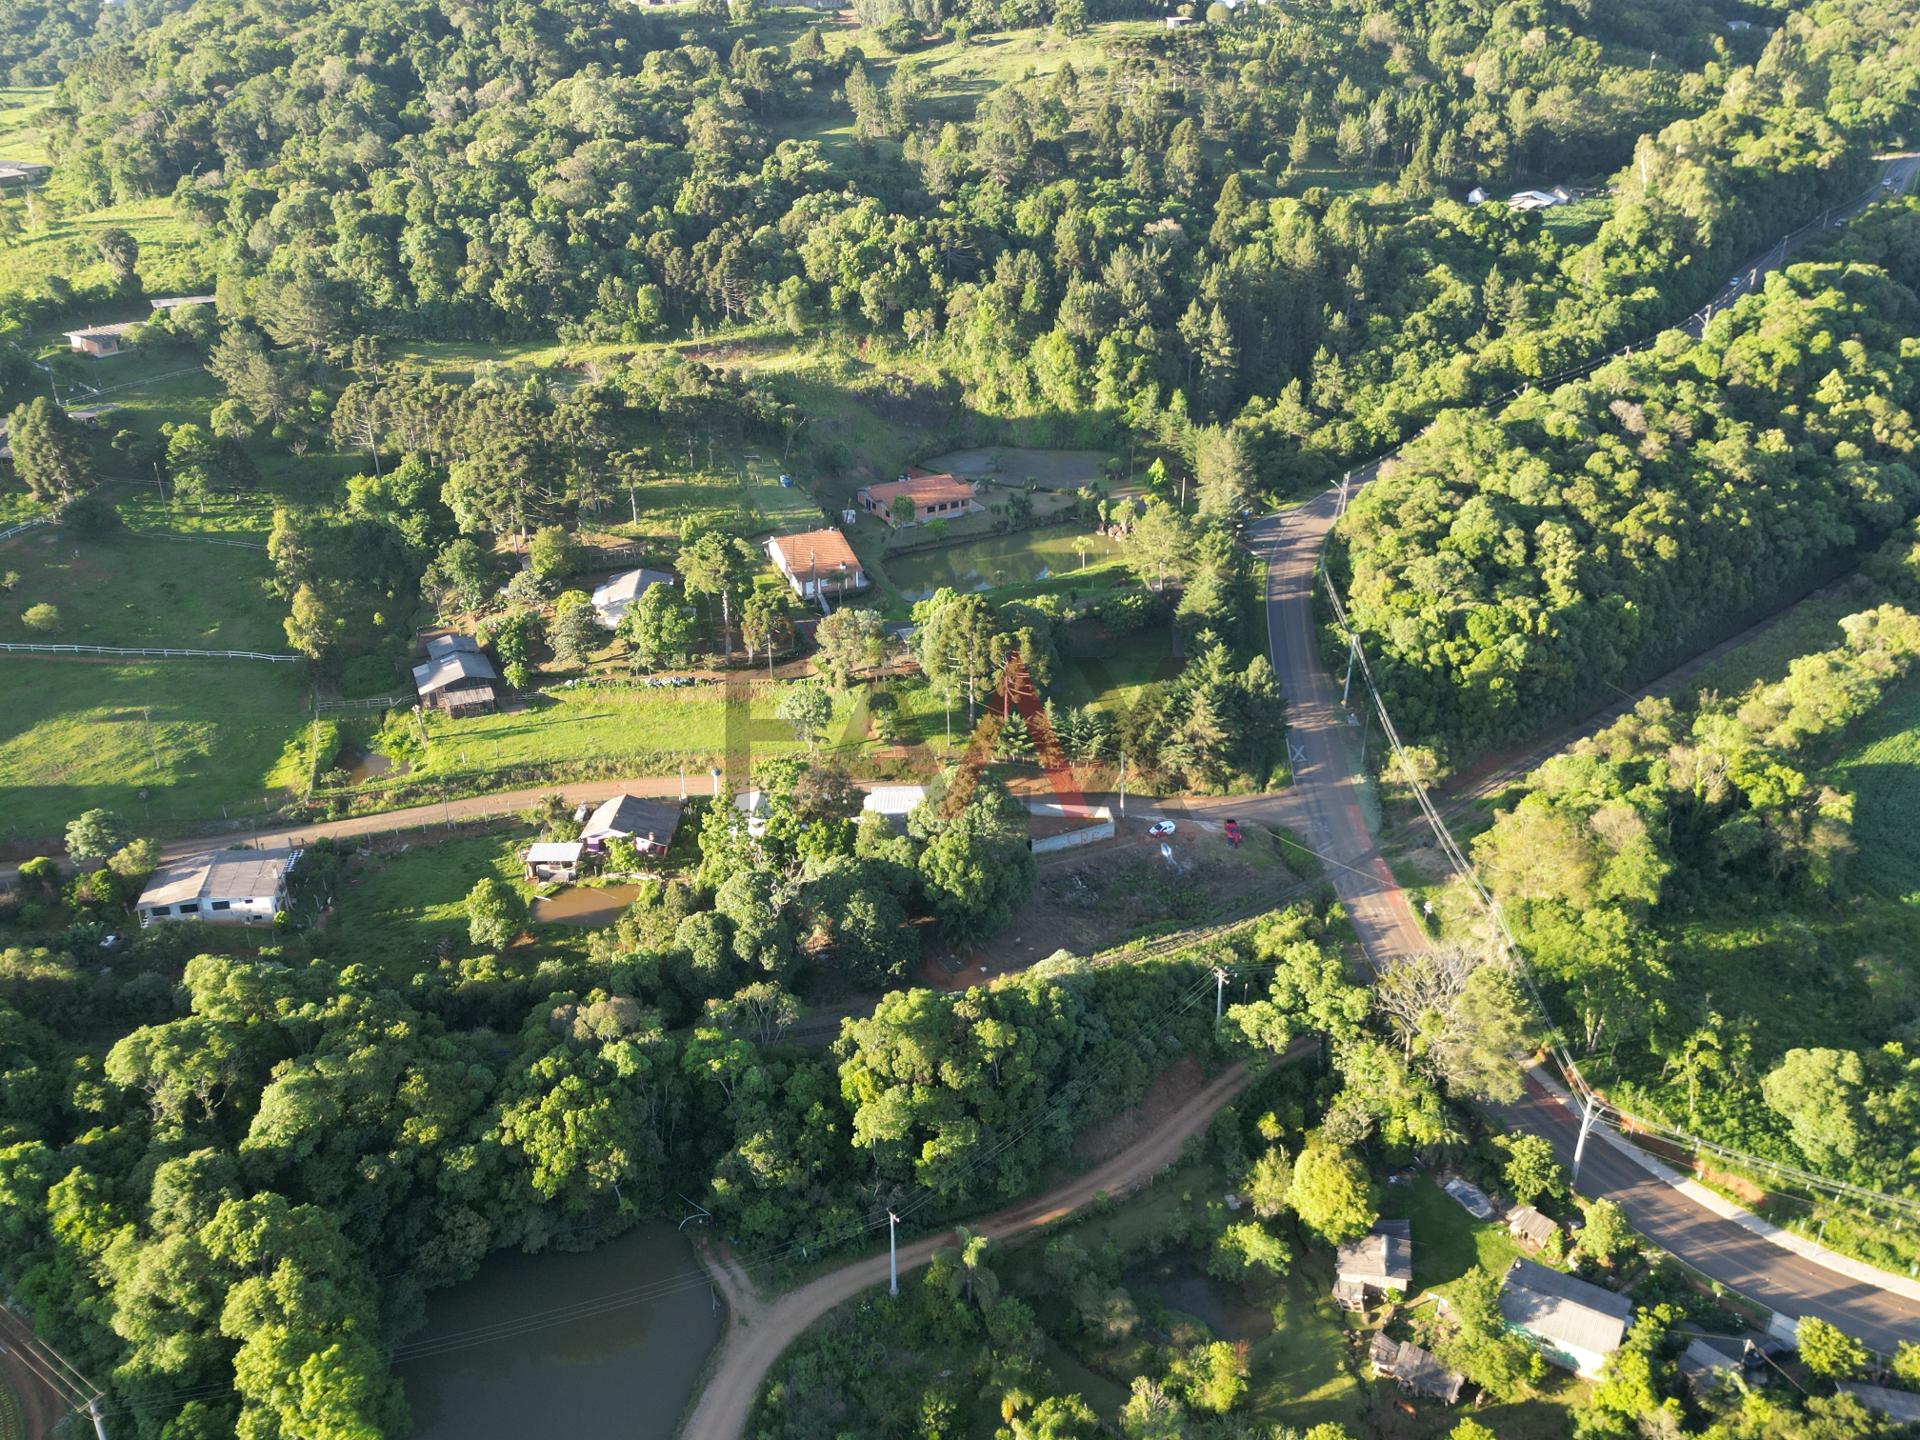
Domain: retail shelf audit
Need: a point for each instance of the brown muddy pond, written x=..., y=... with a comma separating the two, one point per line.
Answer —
x=578, y=905
x=360, y=766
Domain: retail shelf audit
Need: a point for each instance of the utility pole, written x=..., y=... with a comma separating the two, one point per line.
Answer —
x=1219, y=993
x=1587, y=1112
x=99, y=1421
x=893, y=1253
x=1123, y=784
x=1353, y=653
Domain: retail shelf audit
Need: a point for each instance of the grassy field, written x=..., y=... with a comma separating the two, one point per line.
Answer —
x=197, y=736
x=1881, y=766
x=20, y=107
x=131, y=589
x=393, y=908
x=173, y=259
x=636, y=731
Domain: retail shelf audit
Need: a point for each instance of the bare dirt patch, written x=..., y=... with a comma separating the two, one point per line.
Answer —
x=1089, y=899
x=1166, y=1093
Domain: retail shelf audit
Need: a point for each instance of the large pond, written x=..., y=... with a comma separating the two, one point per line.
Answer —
x=1016, y=559
x=624, y=1371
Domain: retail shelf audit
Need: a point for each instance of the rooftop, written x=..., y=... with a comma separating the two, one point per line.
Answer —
x=451, y=663
x=219, y=875
x=633, y=815
x=810, y=550
x=1382, y=1258
x=612, y=598
x=921, y=489
x=178, y=302
x=119, y=327
x=1565, y=1311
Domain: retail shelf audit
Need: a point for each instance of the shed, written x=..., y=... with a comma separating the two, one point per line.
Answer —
x=219, y=887
x=180, y=302
x=1416, y=1371
x=553, y=859
x=1530, y=1227
x=1379, y=1261
x=1707, y=1362
x=612, y=600
x=1476, y=196
x=22, y=172
x=893, y=803
x=457, y=677
x=100, y=341
x=649, y=824
x=1573, y=1324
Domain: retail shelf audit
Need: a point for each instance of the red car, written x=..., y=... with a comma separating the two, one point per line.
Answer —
x=1233, y=832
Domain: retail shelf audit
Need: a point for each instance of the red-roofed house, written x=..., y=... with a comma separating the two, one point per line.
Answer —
x=933, y=497
x=817, y=563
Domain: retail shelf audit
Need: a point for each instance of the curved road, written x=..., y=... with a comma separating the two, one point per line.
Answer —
x=758, y=1332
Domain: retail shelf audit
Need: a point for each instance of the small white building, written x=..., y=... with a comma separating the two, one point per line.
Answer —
x=180, y=302
x=552, y=859
x=893, y=803
x=612, y=600
x=1476, y=196
x=1571, y=1323
x=1539, y=199
x=817, y=563
x=100, y=341
x=221, y=887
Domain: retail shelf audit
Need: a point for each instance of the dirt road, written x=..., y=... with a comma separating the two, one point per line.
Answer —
x=758, y=1331
x=40, y=1408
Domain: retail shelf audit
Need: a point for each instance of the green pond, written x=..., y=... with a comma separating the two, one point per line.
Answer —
x=1018, y=559
x=610, y=1341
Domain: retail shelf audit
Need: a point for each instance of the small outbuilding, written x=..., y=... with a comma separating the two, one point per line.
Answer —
x=14, y=173
x=100, y=341
x=457, y=678
x=549, y=860
x=893, y=803
x=1418, y=1372
x=180, y=302
x=612, y=600
x=1572, y=1323
x=649, y=824
x=220, y=887
x=1379, y=1261
x=1530, y=1227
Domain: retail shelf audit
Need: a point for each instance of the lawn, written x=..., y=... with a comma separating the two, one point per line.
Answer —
x=173, y=259
x=134, y=590
x=198, y=736
x=1810, y=626
x=638, y=731
x=1447, y=1242
x=394, y=907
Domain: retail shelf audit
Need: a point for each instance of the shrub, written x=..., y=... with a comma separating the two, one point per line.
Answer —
x=43, y=618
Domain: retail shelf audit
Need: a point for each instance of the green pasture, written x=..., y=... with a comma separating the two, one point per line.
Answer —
x=197, y=736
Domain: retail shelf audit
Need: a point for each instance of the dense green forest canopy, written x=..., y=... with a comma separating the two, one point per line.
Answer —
x=1133, y=247
x=1508, y=566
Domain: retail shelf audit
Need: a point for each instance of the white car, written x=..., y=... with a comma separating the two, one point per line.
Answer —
x=1160, y=828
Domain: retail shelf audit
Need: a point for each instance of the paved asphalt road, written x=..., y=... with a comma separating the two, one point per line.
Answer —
x=1326, y=789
